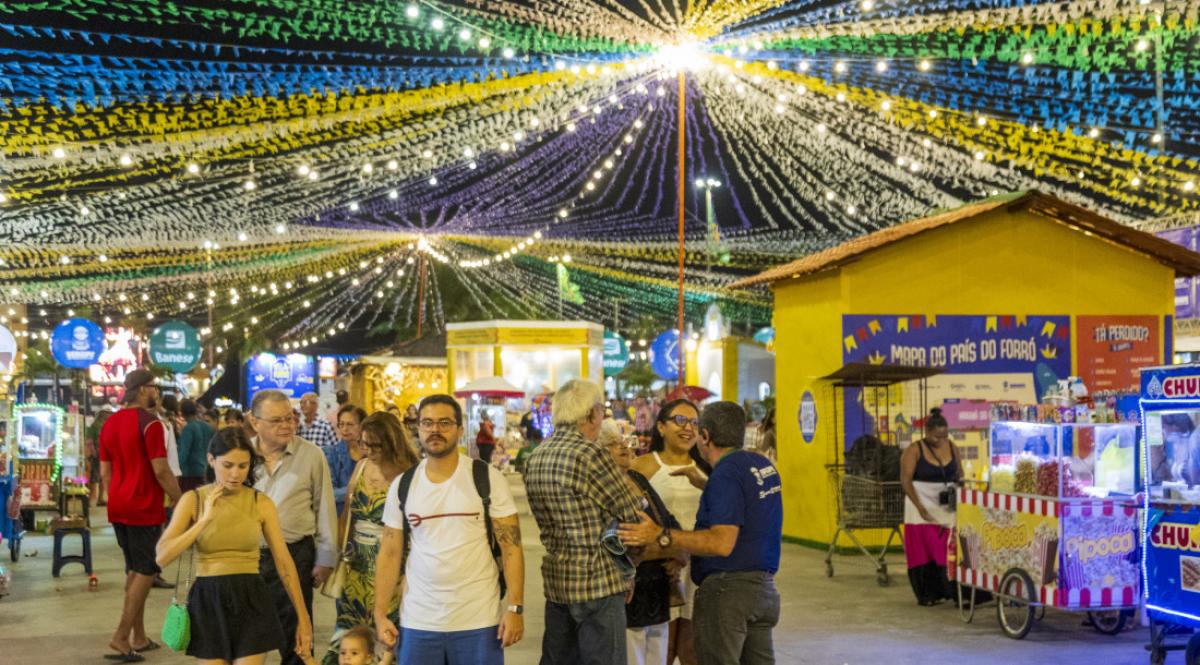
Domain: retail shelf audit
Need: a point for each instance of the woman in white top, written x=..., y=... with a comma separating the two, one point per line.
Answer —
x=675, y=477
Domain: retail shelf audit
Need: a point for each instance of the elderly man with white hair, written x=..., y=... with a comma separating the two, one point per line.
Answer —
x=313, y=429
x=293, y=473
x=576, y=492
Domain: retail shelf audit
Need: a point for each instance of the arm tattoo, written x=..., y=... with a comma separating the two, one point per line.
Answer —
x=507, y=534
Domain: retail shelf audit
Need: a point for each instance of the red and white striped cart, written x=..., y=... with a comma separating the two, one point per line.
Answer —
x=1032, y=551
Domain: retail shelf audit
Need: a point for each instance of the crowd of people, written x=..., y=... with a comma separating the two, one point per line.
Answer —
x=649, y=558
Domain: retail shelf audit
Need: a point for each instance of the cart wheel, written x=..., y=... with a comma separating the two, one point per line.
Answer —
x=966, y=612
x=1014, y=604
x=1192, y=656
x=1110, y=622
x=881, y=575
x=828, y=569
x=1158, y=655
x=14, y=549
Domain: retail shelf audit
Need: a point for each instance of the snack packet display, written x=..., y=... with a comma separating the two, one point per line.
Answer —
x=1025, y=477
x=1003, y=478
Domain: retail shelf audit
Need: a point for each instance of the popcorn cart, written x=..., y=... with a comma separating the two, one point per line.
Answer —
x=1170, y=457
x=1057, y=526
x=43, y=440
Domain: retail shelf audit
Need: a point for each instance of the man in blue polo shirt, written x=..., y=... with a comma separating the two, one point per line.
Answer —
x=735, y=547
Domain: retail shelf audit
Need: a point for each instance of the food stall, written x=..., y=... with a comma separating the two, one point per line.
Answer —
x=402, y=376
x=1057, y=526
x=492, y=395
x=528, y=354
x=1170, y=412
x=48, y=442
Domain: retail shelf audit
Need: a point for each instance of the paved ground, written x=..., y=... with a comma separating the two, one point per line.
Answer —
x=846, y=619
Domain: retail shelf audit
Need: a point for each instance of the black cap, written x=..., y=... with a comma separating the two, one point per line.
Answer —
x=136, y=379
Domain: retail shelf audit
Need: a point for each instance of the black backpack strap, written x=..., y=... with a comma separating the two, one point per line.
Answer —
x=406, y=480
x=483, y=486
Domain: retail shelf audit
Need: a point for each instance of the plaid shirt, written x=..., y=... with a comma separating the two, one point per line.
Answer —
x=575, y=491
x=319, y=433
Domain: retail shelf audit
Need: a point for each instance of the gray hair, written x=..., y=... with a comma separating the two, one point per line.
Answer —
x=267, y=396
x=726, y=424
x=309, y=394
x=610, y=433
x=574, y=401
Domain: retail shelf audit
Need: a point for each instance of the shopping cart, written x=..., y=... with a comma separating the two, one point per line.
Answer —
x=864, y=503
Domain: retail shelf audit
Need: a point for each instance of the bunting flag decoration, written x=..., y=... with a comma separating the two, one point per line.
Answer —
x=327, y=172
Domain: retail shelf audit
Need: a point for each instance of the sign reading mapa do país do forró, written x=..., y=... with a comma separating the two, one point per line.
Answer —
x=176, y=346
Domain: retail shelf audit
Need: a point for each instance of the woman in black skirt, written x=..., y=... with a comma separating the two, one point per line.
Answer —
x=233, y=618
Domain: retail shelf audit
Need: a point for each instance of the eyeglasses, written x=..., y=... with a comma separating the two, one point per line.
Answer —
x=443, y=424
x=285, y=421
x=682, y=421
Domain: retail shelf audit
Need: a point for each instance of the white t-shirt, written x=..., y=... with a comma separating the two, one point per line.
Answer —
x=172, y=448
x=451, y=576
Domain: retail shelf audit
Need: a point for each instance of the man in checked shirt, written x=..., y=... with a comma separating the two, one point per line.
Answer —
x=576, y=491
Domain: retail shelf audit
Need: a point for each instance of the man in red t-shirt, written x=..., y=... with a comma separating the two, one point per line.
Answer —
x=133, y=464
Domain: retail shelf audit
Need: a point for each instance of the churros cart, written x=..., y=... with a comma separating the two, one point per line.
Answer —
x=1056, y=527
x=1170, y=455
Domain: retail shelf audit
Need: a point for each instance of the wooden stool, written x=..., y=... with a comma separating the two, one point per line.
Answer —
x=84, y=557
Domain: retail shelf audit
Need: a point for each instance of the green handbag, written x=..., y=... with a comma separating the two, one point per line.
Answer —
x=177, y=625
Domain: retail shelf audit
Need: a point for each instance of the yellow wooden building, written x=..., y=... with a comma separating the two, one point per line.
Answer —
x=1019, y=254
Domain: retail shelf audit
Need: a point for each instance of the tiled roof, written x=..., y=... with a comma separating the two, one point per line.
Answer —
x=1184, y=262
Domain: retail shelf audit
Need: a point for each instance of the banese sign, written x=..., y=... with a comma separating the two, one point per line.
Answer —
x=616, y=353
x=77, y=343
x=176, y=346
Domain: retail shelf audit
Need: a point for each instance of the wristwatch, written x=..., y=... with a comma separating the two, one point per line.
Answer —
x=664, y=538
x=516, y=609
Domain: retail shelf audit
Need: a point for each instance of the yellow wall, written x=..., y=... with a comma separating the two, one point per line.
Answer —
x=998, y=263
x=729, y=369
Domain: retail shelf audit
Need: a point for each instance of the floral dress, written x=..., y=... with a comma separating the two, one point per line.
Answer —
x=356, y=605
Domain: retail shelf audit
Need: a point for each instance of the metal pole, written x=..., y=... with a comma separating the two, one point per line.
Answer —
x=211, y=299
x=680, y=193
x=1159, y=64
x=421, y=295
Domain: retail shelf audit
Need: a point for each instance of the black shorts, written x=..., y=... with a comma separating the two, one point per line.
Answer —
x=232, y=616
x=138, y=544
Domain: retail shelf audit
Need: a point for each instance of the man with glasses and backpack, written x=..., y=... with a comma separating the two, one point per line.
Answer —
x=451, y=524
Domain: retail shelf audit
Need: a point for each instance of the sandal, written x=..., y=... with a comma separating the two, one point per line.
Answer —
x=131, y=657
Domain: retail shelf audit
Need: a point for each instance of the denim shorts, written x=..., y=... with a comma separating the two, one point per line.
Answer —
x=459, y=647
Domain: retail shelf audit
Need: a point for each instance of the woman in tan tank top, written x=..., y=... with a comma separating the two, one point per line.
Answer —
x=233, y=618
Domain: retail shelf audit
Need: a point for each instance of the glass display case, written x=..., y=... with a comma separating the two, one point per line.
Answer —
x=39, y=437
x=1069, y=460
x=1172, y=438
